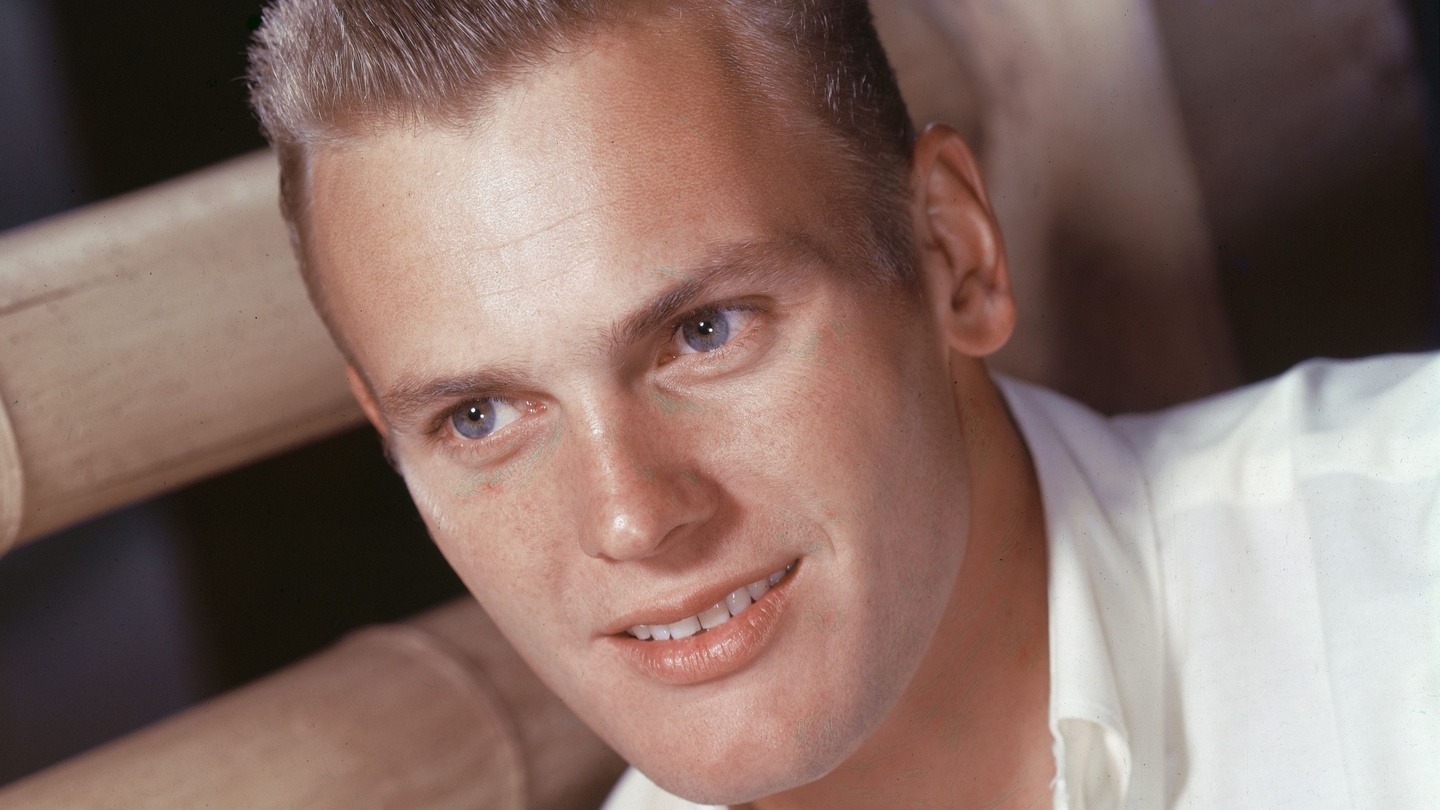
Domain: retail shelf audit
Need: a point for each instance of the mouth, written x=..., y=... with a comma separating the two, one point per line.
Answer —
x=713, y=643
x=733, y=605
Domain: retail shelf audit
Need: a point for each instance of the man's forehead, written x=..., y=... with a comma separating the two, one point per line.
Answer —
x=633, y=154
x=654, y=113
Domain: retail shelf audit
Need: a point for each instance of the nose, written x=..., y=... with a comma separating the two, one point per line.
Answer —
x=636, y=496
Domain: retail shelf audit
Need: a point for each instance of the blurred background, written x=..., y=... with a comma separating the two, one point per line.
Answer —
x=115, y=623
x=120, y=621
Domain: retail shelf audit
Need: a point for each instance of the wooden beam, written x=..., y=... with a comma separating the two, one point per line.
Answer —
x=439, y=713
x=152, y=340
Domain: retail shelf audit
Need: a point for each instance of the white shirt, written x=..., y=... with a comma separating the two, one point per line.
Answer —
x=1244, y=595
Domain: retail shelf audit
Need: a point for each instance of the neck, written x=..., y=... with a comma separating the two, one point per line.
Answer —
x=972, y=729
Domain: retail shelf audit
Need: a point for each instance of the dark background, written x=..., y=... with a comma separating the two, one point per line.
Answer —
x=120, y=621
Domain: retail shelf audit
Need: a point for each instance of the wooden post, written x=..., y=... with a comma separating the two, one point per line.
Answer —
x=1121, y=140
x=438, y=713
x=1072, y=113
x=151, y=340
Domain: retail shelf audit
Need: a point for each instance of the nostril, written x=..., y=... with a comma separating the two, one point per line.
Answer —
x=626, y=532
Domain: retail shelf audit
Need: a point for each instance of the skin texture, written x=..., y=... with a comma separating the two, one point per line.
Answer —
x=847, y=425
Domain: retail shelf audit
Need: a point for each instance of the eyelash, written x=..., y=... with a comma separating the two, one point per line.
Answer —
x=442, y=430
x=738, y=340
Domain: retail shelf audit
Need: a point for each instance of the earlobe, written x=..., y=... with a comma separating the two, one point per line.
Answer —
x=961, y=255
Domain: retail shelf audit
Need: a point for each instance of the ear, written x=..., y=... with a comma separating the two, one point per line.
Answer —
x=961, y=256
x=361, y=391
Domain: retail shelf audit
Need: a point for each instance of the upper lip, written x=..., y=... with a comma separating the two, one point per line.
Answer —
x=676, y=605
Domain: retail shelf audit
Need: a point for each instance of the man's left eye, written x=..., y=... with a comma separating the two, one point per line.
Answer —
x=709, y=329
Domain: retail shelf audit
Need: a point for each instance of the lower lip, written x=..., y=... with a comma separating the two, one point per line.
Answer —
x=714, y=653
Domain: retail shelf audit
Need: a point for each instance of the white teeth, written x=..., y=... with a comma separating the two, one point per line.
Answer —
x=685, y=628
x=715, y=616
x=736, y=602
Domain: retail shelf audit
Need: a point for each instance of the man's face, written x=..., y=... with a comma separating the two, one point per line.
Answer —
x=627, y=368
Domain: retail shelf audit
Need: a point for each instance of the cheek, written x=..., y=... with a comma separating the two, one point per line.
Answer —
x=505, y=546
x=495, y=531
x=861, y=421
x=873, y=438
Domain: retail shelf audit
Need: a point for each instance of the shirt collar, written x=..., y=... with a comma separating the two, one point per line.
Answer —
x=1106, y=653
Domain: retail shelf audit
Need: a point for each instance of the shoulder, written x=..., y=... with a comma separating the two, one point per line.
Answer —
x=1299, y=545
x=1377, y=418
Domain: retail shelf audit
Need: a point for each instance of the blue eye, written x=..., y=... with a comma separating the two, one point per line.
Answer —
x=479, y=419
x=708, y=330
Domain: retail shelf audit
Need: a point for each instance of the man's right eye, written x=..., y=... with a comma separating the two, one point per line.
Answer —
x=479, y=419
x=710, y=329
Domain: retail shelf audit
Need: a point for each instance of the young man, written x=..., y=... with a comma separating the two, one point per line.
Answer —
x=676, y=331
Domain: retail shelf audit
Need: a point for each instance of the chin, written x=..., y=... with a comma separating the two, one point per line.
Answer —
x=742, y=761
x=732, y=783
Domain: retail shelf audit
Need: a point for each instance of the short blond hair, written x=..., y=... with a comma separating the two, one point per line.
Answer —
x=326, y=71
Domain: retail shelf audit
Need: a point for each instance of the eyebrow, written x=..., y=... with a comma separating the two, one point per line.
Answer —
x=762, y=262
